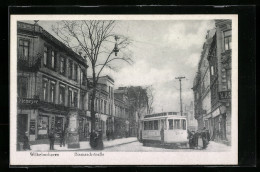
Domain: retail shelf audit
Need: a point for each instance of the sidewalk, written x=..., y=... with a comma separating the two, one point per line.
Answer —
x=219, y=147
x=84, y=145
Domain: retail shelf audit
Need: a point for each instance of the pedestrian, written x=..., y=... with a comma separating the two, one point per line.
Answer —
x=93, y=139
x=204, y=138
x=52, y=140
x=100, y=145
x=191, y=139
x=108, y=134
x=195, y=140
x=26, y=145
x=62, y=138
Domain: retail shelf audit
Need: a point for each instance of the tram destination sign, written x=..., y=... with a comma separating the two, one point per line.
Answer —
x=224, y=95
x=26, y=101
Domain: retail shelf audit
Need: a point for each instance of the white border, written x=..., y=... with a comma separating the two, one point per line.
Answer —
x=124, y=158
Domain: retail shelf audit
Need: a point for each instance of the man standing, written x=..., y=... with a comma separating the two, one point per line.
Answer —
x=26, y=145
x=62, y=138
x=204, y=138
x=52, y=139
x=162, y=135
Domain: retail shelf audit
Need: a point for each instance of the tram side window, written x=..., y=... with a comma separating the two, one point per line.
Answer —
x=170, y=124
x=150, y=125
x=184, y=124
x=177, y=124
x=156, y=125
x=146, y=125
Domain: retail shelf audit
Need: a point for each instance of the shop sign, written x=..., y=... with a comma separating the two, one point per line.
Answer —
x=215, y=113
x=26, y=101
x=224, y=95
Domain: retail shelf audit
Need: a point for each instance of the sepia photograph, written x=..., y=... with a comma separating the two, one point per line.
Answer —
x=117, y=90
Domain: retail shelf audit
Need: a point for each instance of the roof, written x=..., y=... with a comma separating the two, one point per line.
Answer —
x=37, y=29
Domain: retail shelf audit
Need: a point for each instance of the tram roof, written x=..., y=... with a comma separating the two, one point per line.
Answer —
x=164, y=115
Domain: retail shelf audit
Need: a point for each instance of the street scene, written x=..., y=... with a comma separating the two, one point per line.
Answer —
x=124, y=85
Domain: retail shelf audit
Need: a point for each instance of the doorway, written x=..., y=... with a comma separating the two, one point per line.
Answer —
x=22, y=126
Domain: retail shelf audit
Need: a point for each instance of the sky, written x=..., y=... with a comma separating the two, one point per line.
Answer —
x=161, y=50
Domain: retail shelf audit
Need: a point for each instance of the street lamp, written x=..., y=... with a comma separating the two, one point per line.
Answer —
x=116, y=50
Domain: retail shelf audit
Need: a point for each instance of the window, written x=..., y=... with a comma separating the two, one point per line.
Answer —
x=75, y=72
x=227, y=39
x=150, y=125
x=156, y=125
x=105, y=107
x=146, y=126
x=83, y=79
x=102, y=106
x=184, y=124
x=75, y=99
x=62, y=65
x=45, y=92
x=228, y=74
x=82, y=100
x=170, y=124
x=23, y=49
x=177, y=124
x=22, y=86
x=52, y=92
x=62, y=95
x=70, y=69
x=45, y=56
x=70, y=98
x=53, y=59
x=212, y=70
x=108, y=109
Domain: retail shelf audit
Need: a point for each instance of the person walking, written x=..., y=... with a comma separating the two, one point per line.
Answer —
x=52, y=140
x=62, y=138
x=162, y=135
x=100, y=145
x=204, y=138
x=26, y=145
x=108, y=134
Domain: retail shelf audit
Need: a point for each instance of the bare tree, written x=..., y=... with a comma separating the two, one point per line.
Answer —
x=98, y=42
x=150, y=95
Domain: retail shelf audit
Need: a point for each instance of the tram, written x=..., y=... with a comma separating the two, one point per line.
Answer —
x=165, y=129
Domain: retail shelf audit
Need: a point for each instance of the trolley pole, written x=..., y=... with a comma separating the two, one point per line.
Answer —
x=180, y=78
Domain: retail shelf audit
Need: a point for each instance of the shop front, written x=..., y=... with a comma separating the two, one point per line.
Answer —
x=219, y=125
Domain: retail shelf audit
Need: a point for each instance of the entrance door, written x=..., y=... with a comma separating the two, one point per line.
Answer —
x=22, y=125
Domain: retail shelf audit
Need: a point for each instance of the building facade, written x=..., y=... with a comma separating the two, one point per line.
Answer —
x=218, y=119
x=201, y=85
x=50, y=83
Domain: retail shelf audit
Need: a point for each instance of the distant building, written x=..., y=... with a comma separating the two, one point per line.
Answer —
x=192, y=123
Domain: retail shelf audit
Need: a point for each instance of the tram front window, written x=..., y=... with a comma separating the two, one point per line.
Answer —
x=177, y=124
x=155, y=125
x=170, y=124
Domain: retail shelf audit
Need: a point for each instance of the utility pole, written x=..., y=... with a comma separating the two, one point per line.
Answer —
x=180, y=78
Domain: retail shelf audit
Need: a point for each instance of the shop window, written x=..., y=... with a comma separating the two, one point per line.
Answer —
x=45, y=56
x=22, y=86
x=227, y=39
x=23, y=49
x=43, y=122
x=170, y=124
x=52, y=92
x=177, y=124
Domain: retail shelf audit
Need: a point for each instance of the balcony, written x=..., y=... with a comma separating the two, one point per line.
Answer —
x=26, y=64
